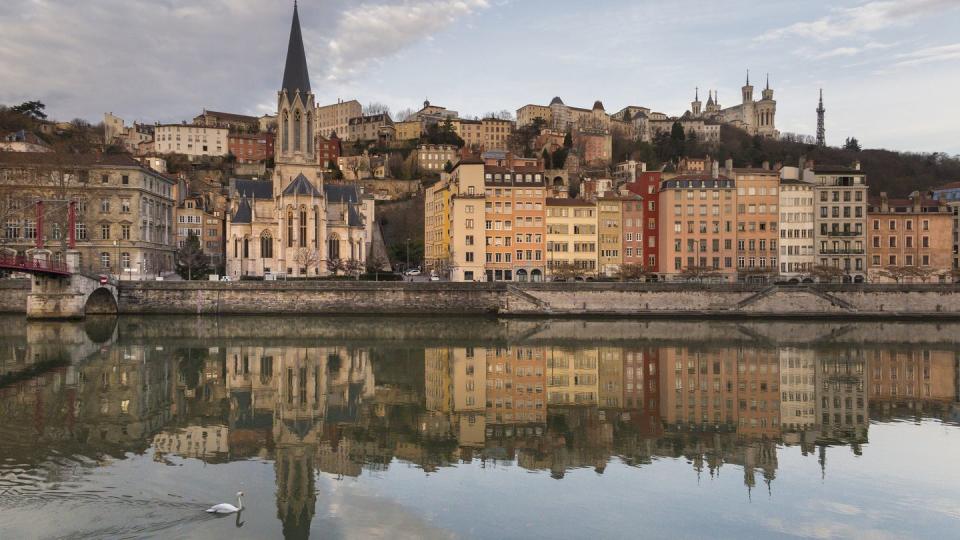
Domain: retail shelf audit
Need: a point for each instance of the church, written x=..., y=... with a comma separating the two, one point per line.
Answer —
x=754, y=117
x=295, y=224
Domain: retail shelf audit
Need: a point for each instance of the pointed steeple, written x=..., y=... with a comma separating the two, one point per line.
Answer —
x=295, y=76
x=768, y=81
x=696, y=93
x=748, y=77
x=710, y=98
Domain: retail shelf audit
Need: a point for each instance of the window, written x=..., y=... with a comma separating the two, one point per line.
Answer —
x=266, y=246
x=289, y=229
x=104, y=232
x=125, y=180
x=125, y=232
x=125, y=259
x=104, y=260
x=303, y=228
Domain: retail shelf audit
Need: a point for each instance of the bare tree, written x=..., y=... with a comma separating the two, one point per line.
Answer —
x=499, y=115
x=700, y=273
x=335, y=266
x=376, y=107
x=564, y=270
x=306, y=259
x=354, y=267
x=405, y=114
x=634, y=272
x=825, y=273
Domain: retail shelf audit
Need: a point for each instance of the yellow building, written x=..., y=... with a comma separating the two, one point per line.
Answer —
x=527, y=114
x=571, y=238
x=408, y=130
x=496, y=133
x=572, y=376
x=610, y=235
x=471, y=131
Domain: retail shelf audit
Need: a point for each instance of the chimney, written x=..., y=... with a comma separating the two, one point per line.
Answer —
x=884, y=202
x=856, y=165
x=766, y=165
x=715, y=170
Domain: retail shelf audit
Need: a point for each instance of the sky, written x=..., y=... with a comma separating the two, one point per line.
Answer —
x=889, y=69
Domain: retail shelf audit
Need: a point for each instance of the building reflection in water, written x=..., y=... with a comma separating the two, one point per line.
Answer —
x=341, y=410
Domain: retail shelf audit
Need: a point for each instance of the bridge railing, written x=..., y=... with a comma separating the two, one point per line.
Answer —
x=31, y=264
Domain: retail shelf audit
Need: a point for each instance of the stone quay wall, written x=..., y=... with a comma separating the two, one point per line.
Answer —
x=640, y=300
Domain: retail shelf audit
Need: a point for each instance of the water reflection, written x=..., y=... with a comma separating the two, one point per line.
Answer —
x=336, y=406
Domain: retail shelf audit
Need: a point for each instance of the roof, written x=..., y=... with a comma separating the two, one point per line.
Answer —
x=569, y=202
x=301, y=186
x=598, y=105
x=795, y=181
x=234, y=116
x=835, y=169
x=243, y=214
x=702, y=181
x=295, y=76
x=341, y=193
x=754, y=170
x=70, y=160
x=951, y=185
x=258, y=189
x=556, y=100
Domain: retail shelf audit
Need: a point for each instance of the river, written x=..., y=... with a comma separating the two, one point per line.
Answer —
x=368, y=427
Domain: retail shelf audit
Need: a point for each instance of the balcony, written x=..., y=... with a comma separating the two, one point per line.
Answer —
x=851, y=251
x=841, y=233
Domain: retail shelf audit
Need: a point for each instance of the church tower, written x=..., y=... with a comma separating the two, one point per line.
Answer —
x=747, y=90
x=766, y=112
x=695, y=104
x=295, y=147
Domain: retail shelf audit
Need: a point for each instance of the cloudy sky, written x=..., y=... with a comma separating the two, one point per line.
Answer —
x=890, y=69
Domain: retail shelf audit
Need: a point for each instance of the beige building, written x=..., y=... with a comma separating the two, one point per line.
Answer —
x=840, y=198
x=408, y=130
x=335, y=118
x=610, y=224
x=562, y=117
x=190, y=140
x=123, y=211
x=433, y=158
x=377, y=127
x=571, y=239
x=197, y=215
x=797, y=256
x=697, y=225
x=496, y=133
x=454, y=233
x=572, y=376
x=471, y=131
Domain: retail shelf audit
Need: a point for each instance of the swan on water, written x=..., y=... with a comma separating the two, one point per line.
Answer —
x=227, y=508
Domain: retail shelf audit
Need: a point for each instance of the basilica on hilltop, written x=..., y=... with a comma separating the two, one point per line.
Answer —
x=754, y=117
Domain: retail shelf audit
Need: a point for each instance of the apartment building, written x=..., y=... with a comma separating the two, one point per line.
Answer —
x=951, y=194
x=190, y=140
x=408, y=130
x=232, y=121
x=910, y=240
x=496, y=133
x=433, y=158
x=632, y=219
x=840, y=198
x=335, y=118
x=610, y=236
x=697, y=225
x=471, y=131
x=123, y=212
x=758, y=201
x=250, y=147
x=196, y=216
x=647, y=186
x=377, y=127
x=797, y=256
x=515, y=223
x=571, y=238
x=454, y=234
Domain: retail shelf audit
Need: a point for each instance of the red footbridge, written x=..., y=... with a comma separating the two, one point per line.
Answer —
x=30, y=265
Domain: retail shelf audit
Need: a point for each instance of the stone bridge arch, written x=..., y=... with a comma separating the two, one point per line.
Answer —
x=73, y=297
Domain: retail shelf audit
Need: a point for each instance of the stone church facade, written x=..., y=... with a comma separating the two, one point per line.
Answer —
x=753, y=116
x=294, y=224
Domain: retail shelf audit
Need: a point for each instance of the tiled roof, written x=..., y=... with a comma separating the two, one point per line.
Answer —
x=301, y=186
x=569, y=202
x=68, y=160
x=258, y=189
x=295, y=75
x=243, y=214
x=341, y=193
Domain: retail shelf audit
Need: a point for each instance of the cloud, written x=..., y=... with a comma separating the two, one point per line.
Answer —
x=368, y=32
x=863, y=19
x=852, y=50
x=930, y=54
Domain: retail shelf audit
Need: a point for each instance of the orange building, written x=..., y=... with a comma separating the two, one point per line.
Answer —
x=911, y=240
x=758, y=391
x=911, y=379
x=698, y=387
x=516, y=385
x=757, y=218
x=250, y=148
x=515, y=223
x=697, y=224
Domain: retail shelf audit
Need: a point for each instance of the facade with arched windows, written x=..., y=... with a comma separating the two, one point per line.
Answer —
x=294, y=224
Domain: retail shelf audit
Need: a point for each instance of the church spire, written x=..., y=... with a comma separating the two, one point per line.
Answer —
x=295, y=76
x=768, y=81
x=748, y=77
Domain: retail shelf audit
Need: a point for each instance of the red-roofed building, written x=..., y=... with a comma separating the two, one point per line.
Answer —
x=250, y=148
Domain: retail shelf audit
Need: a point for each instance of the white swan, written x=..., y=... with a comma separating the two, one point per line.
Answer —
x=227, y=508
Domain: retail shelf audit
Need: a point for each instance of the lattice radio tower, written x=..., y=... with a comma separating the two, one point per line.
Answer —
x=821, y=130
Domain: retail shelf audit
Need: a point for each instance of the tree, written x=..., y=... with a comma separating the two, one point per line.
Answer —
x=547, y=162
x=826, y=274
x=442, y=268
x=354, y=267
x=852, y=144
x=442, y=133
x=564, y=270
x=374, y=108
x=335, y=265
x=448, y=167
x=192, y=262
x=335, y=171
x=306, y=259
x=559, y=158
x=32, y=109
x=499, y=115
x=404, y=115
x=699, y=273
x=376, y=265
x=634, y=272
x=568, y=140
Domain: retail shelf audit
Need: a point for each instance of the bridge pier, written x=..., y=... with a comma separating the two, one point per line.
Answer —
x=70, y=297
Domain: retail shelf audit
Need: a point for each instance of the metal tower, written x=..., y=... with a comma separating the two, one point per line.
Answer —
x=821, y=130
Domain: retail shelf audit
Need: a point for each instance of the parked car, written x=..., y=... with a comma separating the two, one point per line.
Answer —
x=412, y=272
x=434, y=277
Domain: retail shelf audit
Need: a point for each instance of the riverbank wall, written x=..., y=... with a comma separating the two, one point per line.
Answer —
x=532, y=299
x=541, y=299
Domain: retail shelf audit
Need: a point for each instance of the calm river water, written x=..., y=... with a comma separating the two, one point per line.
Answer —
x=478, y=428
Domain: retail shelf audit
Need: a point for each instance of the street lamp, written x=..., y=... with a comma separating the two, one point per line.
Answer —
x=116, y=244
x=408, y=254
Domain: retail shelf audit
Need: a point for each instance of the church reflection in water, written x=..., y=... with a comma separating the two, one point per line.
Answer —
x=345, y=409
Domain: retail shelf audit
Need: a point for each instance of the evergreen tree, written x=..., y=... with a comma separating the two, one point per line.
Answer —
x=192, y=262
x=852, y=144
x=546, y=159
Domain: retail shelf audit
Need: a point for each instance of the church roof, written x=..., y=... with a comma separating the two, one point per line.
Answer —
x=258, y=189
x=244, y=214
x=556, y=100
x=341, y=193
x=295, y=76
x=598, y=105
x=301, y=186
